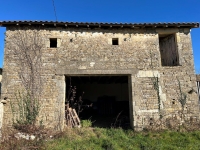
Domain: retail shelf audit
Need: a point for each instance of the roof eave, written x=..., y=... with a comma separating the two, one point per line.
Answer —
x=100, y=25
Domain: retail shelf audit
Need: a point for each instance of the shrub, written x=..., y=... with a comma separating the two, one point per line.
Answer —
x=25, y=109
x=86, y=123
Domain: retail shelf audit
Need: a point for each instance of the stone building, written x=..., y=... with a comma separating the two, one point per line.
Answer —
x=139, y=69
x=1, y=104
x=198, y=86
x=0, y=79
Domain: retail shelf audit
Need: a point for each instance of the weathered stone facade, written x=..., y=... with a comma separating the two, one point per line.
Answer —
x=198, y=77
x=83, y=51
x=1, y=104
x=198, y=87
x=0, y=80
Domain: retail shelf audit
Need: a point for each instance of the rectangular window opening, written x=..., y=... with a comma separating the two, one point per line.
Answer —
x=168, y=50
x=115, y=41
x=53, y=42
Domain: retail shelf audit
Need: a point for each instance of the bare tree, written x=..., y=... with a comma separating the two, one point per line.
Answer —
x=26, y=45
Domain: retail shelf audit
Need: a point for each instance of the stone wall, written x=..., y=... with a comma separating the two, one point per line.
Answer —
x=0, y=80
x=90, y=52
x=198, y=77
x=1, y=117
x=198, y=87
x=1, y=106
x=0, y=84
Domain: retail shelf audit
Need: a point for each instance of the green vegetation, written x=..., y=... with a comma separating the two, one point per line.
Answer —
x=109, y=139
x=86, y=123
x=119, y=139
x=25, y=110
x=183, y=96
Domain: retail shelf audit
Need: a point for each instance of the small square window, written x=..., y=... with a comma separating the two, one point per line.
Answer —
x=53, y=42
x=115, y=41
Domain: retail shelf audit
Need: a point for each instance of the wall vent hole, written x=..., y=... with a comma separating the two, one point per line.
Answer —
x=115, y=41
x=53, y=42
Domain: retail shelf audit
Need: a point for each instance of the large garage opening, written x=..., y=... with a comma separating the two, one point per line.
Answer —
x=105, y=99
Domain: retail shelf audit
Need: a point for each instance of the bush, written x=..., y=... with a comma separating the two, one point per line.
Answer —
x=25, y=109
x=86, y=123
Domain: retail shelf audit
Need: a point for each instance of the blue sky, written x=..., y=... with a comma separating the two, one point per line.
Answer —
x=134, y=11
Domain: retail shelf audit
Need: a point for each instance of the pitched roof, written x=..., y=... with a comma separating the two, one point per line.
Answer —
x=102, y=25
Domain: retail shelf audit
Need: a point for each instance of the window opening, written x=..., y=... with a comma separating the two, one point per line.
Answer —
x=53, y=43
x=115, y=41
x=168, y=50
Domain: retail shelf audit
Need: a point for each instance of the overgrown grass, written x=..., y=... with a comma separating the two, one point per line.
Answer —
x=119, y=139
x=109, y=139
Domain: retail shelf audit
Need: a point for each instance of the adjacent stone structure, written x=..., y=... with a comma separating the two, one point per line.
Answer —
x=0, y=80
x=1, y=104
x=155, y=58
x=198, y=86
x=198, y=77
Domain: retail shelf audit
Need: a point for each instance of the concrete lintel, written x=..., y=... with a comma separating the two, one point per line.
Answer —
x=95, y=72
x=167, y=31
x=144, y=74
x=149, y=111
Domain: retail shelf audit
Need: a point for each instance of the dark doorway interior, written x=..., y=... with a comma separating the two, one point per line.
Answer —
x=105, y=99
